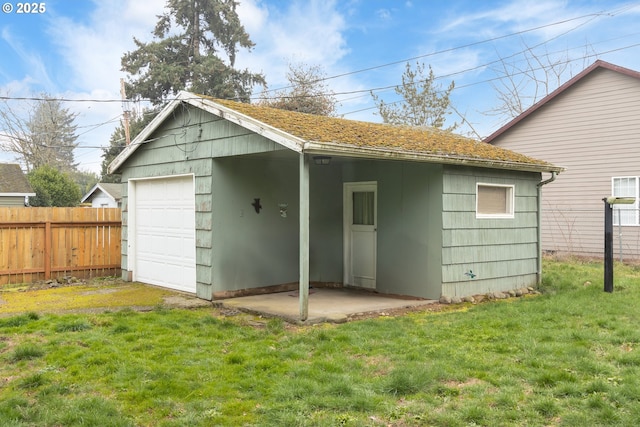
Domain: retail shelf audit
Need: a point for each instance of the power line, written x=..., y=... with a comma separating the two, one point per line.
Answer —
x=611, y=13
x=440, y=77
x=593, y=16
x=501, y=77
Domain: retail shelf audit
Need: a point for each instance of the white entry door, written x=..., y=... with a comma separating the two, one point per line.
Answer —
x=360, y=230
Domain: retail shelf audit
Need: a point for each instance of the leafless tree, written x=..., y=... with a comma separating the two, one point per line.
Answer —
x=526, y=79
x=42, y=133
x=307, y=92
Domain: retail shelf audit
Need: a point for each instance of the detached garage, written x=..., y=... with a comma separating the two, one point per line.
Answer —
x=223, y=199
x=162, y=215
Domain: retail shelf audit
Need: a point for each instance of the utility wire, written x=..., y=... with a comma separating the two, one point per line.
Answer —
x=593, y=16
x=501, y=77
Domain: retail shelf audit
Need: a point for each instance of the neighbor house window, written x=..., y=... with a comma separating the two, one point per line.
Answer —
x=626, y=186
x=494, y=201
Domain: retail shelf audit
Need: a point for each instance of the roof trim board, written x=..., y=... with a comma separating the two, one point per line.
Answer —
x=16, y=194
x=144, y=134
x=282, y=138
x=341, y=150
x=276, y=135
x=98, y=186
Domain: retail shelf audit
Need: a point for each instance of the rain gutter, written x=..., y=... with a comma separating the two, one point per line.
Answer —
x=539, y=240
x=394, y=154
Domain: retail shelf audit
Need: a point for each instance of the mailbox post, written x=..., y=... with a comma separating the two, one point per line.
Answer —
x=608, y=237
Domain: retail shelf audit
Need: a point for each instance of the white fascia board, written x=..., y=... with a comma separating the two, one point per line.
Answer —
x=286, y=140
x=323, y=148
x=274, y=134
x=86, y=196
x=104, y=191
x=16, y=194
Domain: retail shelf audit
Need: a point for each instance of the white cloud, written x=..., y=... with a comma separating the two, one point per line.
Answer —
x=303, y=31
x=384, y=14
x=38, y=71
x=93, y=50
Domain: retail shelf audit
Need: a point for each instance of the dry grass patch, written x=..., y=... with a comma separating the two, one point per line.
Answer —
x=95, y=295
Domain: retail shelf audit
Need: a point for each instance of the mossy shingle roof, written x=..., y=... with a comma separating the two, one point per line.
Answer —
x=430, y=141
x=12, y=180
x=314, y=134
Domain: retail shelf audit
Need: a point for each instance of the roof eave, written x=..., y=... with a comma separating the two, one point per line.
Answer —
x=323, y=148
x=283, y=138
x=17, y=194
x=146, y=132
x=93, y=190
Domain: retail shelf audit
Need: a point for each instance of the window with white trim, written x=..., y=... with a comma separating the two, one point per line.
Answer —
x=625, y=186
x=494, y=201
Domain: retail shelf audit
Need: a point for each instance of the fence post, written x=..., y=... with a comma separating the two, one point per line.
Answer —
x=47, y=250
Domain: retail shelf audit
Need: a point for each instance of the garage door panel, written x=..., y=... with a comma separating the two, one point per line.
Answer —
x=165, y=233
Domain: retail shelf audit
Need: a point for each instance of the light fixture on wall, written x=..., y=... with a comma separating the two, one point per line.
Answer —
x=321, y=160
x=283, y=209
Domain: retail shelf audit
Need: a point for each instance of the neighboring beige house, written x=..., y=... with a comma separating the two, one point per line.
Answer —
x=14, y=186
x=591, y=126
x=104, y=195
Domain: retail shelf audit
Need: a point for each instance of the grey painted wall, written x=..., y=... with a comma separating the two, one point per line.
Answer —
x=254, y=249
x=409, y=224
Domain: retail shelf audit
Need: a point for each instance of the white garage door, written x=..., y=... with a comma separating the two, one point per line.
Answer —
x=165, y=248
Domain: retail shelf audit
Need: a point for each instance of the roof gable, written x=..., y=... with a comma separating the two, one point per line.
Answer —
x=112, y=190
x=13, y=181
x=315, y=134
x=598, y=65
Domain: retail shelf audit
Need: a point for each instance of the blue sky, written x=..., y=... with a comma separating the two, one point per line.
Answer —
x=73, y=50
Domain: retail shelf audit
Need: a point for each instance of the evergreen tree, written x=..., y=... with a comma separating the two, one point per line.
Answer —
x=423, y=103
x=45, y=135
x=185, y=54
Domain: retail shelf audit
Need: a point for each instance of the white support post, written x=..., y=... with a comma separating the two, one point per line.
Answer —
x=304, y=237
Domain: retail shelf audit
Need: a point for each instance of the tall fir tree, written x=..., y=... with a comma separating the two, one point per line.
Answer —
x=194, y=48
x=45, y=135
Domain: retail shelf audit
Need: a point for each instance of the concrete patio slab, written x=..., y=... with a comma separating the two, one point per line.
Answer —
x=325, y=304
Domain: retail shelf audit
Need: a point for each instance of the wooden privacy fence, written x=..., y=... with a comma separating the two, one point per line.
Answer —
x=44, y=243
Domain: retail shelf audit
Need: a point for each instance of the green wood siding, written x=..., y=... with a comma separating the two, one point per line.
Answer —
x=171, y=151
x=428, y=234
x=482, y=255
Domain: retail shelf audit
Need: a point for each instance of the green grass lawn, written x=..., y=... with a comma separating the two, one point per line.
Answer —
x=568, y=357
